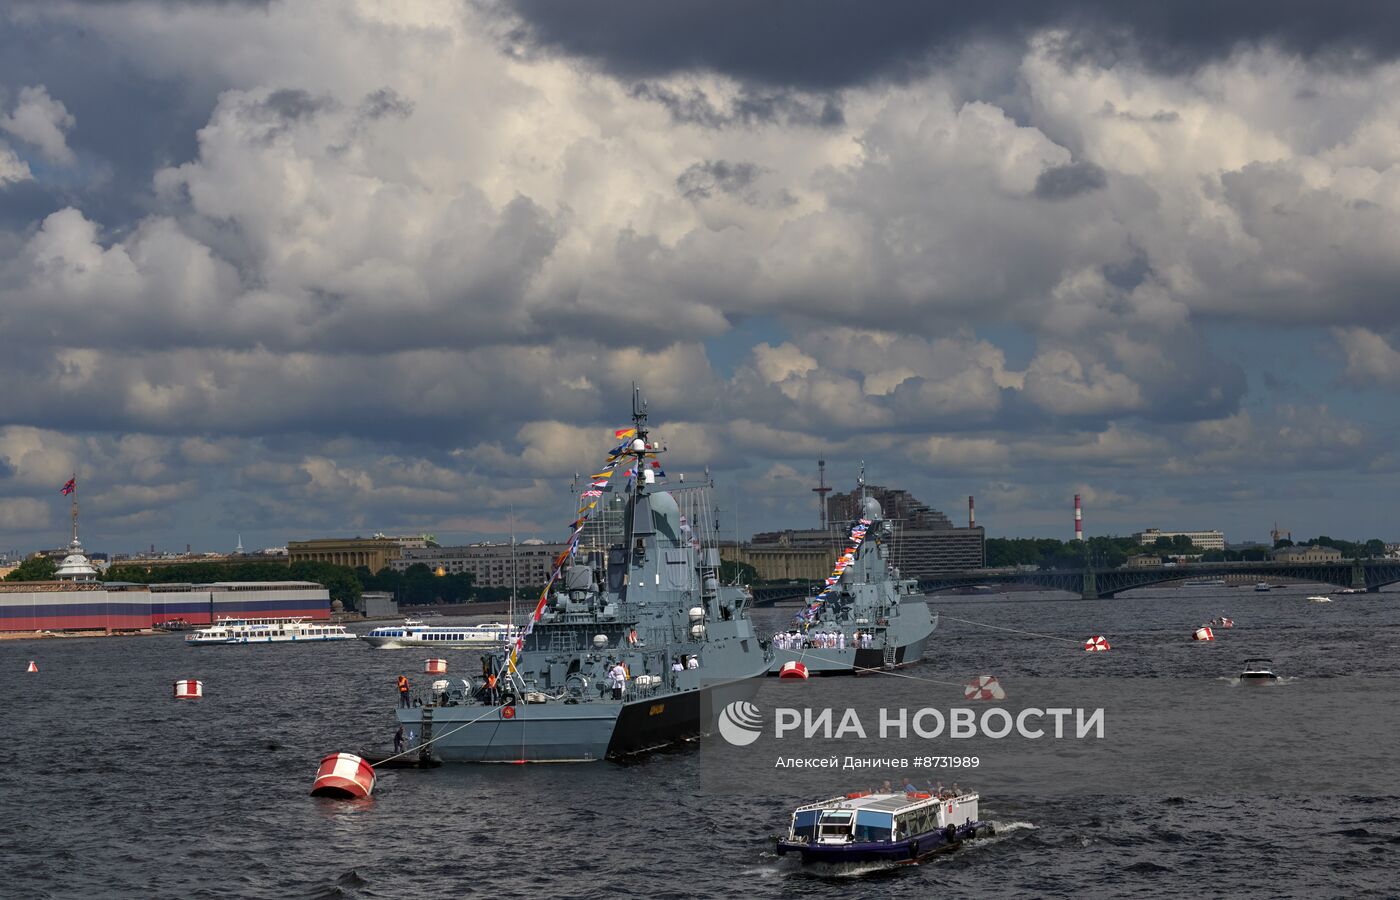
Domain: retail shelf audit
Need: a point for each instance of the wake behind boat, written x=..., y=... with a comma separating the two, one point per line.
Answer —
x=444, y=637
x=634, y=645
x=866, y=617
x=267, y=631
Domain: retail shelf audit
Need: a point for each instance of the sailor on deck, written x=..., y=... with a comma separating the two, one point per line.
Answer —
x=617, y=677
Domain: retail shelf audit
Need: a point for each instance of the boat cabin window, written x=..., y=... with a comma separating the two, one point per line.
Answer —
x=804, y=825
x=835, y=824
x=873, y=826
x=918, y=821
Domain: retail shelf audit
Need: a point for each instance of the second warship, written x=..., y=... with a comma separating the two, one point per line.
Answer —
x=867, y=617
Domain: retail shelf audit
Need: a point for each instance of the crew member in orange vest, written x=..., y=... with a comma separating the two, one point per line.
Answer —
x=491, y=686
x=403, y=690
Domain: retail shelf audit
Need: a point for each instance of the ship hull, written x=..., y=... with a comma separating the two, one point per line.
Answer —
x=579, y=732
x=877, y=853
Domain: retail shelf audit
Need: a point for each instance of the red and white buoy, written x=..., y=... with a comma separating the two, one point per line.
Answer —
x=1203, y=634
x=793, y=669
x=189, y=689
x=343, y=776
x=436, y=667
x=1096, y=644
x=984, y=687
x=32, y=667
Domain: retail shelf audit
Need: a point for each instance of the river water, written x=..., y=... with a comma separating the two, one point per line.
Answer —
x=1197, y=786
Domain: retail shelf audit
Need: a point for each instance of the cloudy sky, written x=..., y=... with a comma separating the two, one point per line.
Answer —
x=298, y=269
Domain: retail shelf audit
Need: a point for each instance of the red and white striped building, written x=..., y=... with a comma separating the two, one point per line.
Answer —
x=115, y=606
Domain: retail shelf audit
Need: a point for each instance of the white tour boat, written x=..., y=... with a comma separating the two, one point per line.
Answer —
x=1319, y=598
x=401, y=637
x=268, y=631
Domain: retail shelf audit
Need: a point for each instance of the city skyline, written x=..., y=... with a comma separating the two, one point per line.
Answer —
x=314, y=269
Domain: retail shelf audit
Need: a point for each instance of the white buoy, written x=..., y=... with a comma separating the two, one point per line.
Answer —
x=343, y=776
x=1096, y=644
x=32, y=667
x=1203, y=634
x=189, y=689
x=794, y=670
x=436, y=667
x=984, y=687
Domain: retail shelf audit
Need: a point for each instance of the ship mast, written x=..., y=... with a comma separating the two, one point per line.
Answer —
x=637, y=449
x=510, y=616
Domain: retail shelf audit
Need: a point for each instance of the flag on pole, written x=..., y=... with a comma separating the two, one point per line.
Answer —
x=624, y=433
x=71, y=486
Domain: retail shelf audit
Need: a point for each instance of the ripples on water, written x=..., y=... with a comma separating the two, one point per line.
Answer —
x=111, y=789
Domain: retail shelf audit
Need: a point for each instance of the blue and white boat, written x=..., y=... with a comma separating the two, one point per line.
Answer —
x=864, y=831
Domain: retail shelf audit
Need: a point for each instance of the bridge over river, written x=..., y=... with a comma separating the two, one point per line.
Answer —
x=1091, y=584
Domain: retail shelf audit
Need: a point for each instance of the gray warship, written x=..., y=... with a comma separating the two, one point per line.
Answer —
x=867, y=618
x=647, y=596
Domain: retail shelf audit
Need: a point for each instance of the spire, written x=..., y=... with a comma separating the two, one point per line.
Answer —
x=75, y=544
x=75, y=566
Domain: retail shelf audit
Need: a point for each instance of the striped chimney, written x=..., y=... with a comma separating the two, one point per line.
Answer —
x=971, y=513
x=1078, y=520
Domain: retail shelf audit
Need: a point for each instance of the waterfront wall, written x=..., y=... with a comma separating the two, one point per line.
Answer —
x=69, y=606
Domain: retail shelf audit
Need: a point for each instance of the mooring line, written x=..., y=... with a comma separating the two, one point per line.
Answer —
x=439, y=737
x=1053, y=637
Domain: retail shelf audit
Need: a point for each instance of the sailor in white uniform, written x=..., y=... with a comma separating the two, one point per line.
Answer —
x=617, y=677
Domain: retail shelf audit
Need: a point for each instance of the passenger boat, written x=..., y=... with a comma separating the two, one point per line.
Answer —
x=267, y=631
x=864, y=831
x=1263, y=586
x=1258, y=671
x=399, y=637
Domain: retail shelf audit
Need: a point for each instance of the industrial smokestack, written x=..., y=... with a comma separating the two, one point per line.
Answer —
x=971, y=513
x=1078, y=520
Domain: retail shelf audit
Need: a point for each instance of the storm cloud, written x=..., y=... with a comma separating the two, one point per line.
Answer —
x=839, y=43
x=291, y=268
